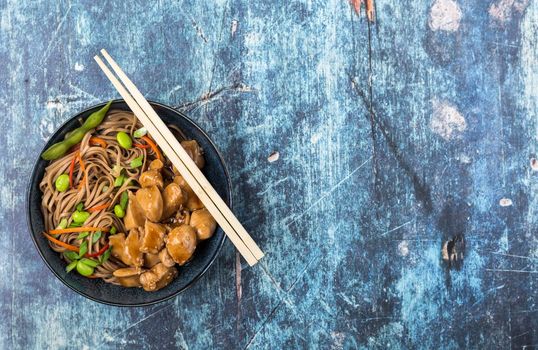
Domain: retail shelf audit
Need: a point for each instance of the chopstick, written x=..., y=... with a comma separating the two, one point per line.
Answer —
x=181, y=160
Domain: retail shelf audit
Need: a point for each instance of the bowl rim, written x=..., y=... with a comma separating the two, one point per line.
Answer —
x=84, y=294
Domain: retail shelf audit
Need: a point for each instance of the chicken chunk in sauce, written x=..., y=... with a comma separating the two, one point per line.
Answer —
x=174, y=197
x=165, y=220
x=181, y=243
x=203, y=223
x=157, y=277
x=151, y=178
x=151, y=202
x=135, y=215
x=128, y=277
x=193, y=202
x=194, y=151
x=153, y=239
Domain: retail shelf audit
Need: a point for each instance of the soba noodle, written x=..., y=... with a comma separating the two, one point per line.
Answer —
x=97, y=188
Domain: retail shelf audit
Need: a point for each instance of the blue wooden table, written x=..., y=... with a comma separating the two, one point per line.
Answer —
x=388, y=170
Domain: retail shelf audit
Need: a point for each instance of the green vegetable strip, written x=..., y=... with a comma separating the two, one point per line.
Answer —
x=106, y=255
x=140, y=132
x=89, y=262
x=119, y=181
x=124, y=200
x=71, y=255
x=96, y=236
x=62, y=224
x=83, y=249
x=137, y=162
x=71, y=266
x=83, y=235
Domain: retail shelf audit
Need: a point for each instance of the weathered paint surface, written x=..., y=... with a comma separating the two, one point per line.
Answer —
x=352, y=190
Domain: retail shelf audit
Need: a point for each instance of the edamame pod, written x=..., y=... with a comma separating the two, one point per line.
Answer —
x=96, y=118
x=76, y=137
x=73, y=137
x=55, y=151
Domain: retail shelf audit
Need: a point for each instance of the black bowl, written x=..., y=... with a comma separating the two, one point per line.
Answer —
x=96, y=289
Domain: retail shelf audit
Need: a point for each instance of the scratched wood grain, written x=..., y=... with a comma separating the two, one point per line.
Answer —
x=392, y=139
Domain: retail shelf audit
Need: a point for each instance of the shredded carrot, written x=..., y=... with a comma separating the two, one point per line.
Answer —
x=78, y=229
x=96, y=254
x=83, y=168
x=98, y=141
x=153, y=147
x=72, y=168
x=98, y=207
x=60, y=243
x=139, y=145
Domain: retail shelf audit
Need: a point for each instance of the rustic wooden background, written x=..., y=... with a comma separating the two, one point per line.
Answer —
x=357, y=154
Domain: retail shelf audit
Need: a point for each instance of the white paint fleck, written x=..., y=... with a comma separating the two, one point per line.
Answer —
x=315, y=138
x=108, y=337
x=180, y=339
x=46, y=127
x=244, y=88
x=273, y=157
x=79, y=67
x=174, y=90
x=446, y=120
x=338, y=340
x=253, y=39
x=445, y=15
x=505, y=202
x=534, y=164
x=465, y=159
x=403, y=248
x=55, y=104
x=273, y=185
x=235, y=23
x=502, y=10
x=444, y=251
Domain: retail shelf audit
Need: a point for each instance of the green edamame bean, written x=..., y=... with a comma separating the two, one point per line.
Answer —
x=118, y=210
x=75, y=136
x=124, y=140
x=84, y=269
x=62, y=183
x=80, y=216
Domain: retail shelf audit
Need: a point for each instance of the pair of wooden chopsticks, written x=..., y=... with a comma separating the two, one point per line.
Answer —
x=181, y=160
